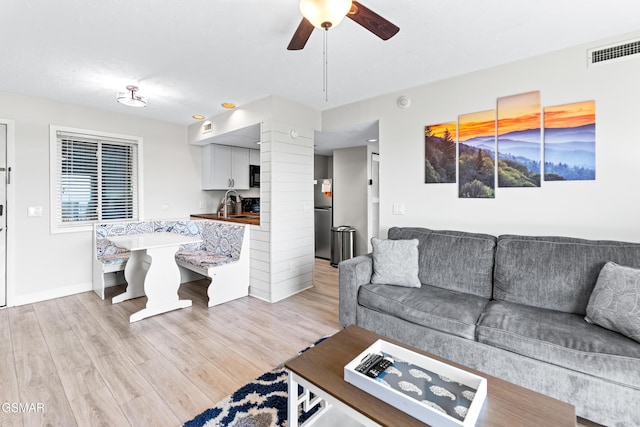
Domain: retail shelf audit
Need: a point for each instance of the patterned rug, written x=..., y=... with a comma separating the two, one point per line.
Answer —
x=261, y=403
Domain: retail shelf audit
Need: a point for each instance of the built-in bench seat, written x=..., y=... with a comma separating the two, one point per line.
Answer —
x=223, y=254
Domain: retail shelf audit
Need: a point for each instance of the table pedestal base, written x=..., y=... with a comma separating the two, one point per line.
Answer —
x=153, y=272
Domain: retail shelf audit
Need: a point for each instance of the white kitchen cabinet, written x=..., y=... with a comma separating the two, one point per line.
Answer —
x=225, y=167
x=254, y=157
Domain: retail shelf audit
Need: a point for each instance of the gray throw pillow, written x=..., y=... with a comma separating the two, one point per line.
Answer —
x=395, y=262
x=615, y=301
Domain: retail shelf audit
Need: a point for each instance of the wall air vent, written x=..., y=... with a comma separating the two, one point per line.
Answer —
x=617, y=52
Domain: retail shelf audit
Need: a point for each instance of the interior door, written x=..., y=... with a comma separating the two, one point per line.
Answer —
x=3, y=214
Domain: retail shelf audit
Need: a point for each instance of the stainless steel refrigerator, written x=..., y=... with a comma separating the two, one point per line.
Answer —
x=323, y=217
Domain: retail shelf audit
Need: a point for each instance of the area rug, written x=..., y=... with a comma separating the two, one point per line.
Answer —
x=260, y=403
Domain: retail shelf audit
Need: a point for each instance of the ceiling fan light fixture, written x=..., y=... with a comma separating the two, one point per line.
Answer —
x=325, y=14
x=130, y=98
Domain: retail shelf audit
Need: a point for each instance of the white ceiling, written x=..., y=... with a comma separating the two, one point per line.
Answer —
x=355, y=135
x=188, y=56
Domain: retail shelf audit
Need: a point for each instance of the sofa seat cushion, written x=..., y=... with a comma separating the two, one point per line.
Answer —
x=203, y=259
x=562, y=339
x=444, y=310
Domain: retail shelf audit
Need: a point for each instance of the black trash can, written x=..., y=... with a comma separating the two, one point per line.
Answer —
x=343, y=240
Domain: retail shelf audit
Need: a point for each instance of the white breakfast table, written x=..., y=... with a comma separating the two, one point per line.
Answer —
x=152, y=271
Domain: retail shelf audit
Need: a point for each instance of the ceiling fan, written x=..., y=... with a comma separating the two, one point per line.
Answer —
x=325, y=14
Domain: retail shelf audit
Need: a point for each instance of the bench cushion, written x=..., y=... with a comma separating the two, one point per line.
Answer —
x=436, y=308
x=105, y=249
x=203, y=259
x=562, y=339
x=223, y=238
x=221, y=242
x=115, y=259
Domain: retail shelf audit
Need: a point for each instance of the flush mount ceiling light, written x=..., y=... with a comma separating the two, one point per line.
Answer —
x=130, y=98
x=198, y=117
x=228, y=105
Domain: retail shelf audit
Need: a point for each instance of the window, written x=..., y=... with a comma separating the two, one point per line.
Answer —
x=95, y=177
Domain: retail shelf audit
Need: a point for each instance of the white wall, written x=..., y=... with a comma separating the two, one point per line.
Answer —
x=373, y=203
x=321, y=166
x=350, y=204
x=607, y=208
x=50, y=265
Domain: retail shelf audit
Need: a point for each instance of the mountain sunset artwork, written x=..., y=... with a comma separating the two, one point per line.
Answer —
x=519, y=140
x=476, y=155
x=570, y=142
x=440, y=153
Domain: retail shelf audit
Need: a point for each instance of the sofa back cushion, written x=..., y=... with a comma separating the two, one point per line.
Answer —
x=557, y=273
x=453, y=260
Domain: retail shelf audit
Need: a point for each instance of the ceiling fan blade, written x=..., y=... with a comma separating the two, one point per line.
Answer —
x=372, y=21
x=302, y=34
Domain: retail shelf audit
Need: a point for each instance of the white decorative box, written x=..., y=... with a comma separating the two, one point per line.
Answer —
x=415, y=384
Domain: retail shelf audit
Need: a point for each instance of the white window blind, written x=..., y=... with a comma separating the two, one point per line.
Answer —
x=96, y=179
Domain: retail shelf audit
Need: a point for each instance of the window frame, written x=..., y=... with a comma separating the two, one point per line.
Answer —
x=60, y=227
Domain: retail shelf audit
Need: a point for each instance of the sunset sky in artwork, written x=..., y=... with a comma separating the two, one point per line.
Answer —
x=570, y=115
x=519, y=112
x=439, y=129
x=472, y=125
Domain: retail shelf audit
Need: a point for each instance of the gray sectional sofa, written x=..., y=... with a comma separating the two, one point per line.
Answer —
x=511, y=306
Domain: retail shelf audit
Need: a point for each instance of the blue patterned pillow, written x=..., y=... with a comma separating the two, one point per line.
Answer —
x=615, y=301
x=395, y=262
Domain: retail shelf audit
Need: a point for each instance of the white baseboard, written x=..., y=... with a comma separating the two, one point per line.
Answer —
x=282, y=296
x=117, y=278
x=259, y=295
x=51, y=294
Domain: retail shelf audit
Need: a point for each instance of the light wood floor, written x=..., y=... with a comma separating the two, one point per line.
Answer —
x=81, y=358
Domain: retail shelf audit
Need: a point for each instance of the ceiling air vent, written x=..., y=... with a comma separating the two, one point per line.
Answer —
x=616, y=52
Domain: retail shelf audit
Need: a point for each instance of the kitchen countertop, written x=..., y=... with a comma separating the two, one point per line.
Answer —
x=252, y=218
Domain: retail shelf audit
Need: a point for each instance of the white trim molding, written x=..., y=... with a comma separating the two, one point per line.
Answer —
x=10, y=272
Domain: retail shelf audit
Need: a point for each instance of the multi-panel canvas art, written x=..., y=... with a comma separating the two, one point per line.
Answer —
x=570, y=142
x=519, y=140
x=440, y=153
x=476, y=155
x=506, y=146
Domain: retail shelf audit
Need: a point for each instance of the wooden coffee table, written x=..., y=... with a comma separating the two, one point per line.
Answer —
x=320, y=370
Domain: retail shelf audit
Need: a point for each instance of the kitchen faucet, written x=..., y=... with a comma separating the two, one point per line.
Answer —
x=225, y=209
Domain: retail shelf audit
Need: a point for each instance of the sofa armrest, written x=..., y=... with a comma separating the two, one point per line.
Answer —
x=352, y=274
